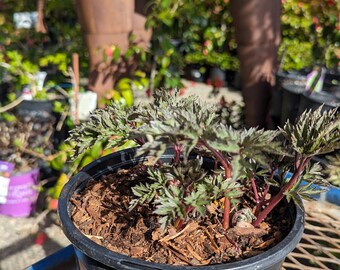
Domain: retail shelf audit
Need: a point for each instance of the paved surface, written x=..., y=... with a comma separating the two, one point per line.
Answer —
x=24, y=241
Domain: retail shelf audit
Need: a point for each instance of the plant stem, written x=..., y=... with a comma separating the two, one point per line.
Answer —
x=139, y=141
x=178, y=150
x=256, y=194
x=264, y=193
x=226, y=213
x=262, y=201
x=226, y=165
x=278, y=197
x=179, y=221
x=227, y=170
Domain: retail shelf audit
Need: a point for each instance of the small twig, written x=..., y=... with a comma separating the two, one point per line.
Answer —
x=12, y=104
x=39, y=218
x=176, y=251
x=238, y=249
x=62, y=118
x=213, y=242
x=61, y=90
x=74, y=74
x=170, y=237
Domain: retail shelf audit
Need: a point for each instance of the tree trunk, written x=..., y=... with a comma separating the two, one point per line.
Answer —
x=257, y=30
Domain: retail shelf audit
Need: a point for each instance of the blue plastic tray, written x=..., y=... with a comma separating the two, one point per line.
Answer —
x=64, y=259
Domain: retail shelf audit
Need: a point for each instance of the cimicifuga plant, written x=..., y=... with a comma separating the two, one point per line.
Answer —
x=252, y=161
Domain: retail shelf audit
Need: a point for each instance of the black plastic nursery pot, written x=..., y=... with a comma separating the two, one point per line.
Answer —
x=42, y=111
x=93, y=256
x=291, y=95
x=217, y=76
x=196, y=73
x=283, y=77
x=314, y=100
x=233, y=79
x=332, y=83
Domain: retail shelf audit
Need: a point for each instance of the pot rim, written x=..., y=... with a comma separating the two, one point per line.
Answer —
x=109, y=258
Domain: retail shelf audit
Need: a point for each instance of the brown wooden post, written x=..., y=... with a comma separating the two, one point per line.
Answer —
x=257, y=30
x=105, y=23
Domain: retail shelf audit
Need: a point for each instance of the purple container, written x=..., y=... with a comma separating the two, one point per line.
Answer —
x=22, y=194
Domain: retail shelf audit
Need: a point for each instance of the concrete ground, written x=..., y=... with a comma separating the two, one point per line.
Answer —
x=25, y=241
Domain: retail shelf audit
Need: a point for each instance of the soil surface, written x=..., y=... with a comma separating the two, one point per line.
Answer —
x=100, y=211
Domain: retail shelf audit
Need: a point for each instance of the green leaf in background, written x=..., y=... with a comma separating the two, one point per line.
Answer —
x=85, y=161
x=116, y=54
x=17, y=143
x=165, y=62
x=96, y=150
x=58, y=162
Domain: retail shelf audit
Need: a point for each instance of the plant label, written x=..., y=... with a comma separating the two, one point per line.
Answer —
x=25, y=20
x=40, y=79
x=4, y=186
x=87, y=102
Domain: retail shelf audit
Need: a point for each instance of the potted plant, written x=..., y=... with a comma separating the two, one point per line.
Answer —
x=34, y=95
x=196, y=192
x=20, y=169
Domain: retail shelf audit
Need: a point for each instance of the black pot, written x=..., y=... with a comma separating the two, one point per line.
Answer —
x=283, y=77
x=5, y=88
x=316, y=99
x=196, y=73
x=93, y=256
x=217, y=76
x=233, y=79
x=332, y=82
x=41, y=111
x=291, y=95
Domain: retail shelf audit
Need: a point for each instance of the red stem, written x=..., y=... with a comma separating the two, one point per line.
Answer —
x=179, y=221
x=178, y=149
x=227, y=170
x=253, y=184
x=278, y=197
x=226, y=165
x=264, y=193
x=139, y=141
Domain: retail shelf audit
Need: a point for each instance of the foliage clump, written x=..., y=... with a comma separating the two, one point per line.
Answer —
x=245, y=161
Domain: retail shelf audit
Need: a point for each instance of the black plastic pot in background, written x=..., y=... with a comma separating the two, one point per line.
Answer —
x=92, y=256
x=291, y=95
x=332, y=82
x=5, y=88
x=217, y=76
x=196, y=73
x=41, y=111
x=316, y=99
x=282, y=77
x=233, y=79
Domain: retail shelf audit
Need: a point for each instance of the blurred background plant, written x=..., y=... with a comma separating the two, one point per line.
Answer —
x=63, y=33
x=310, y=34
